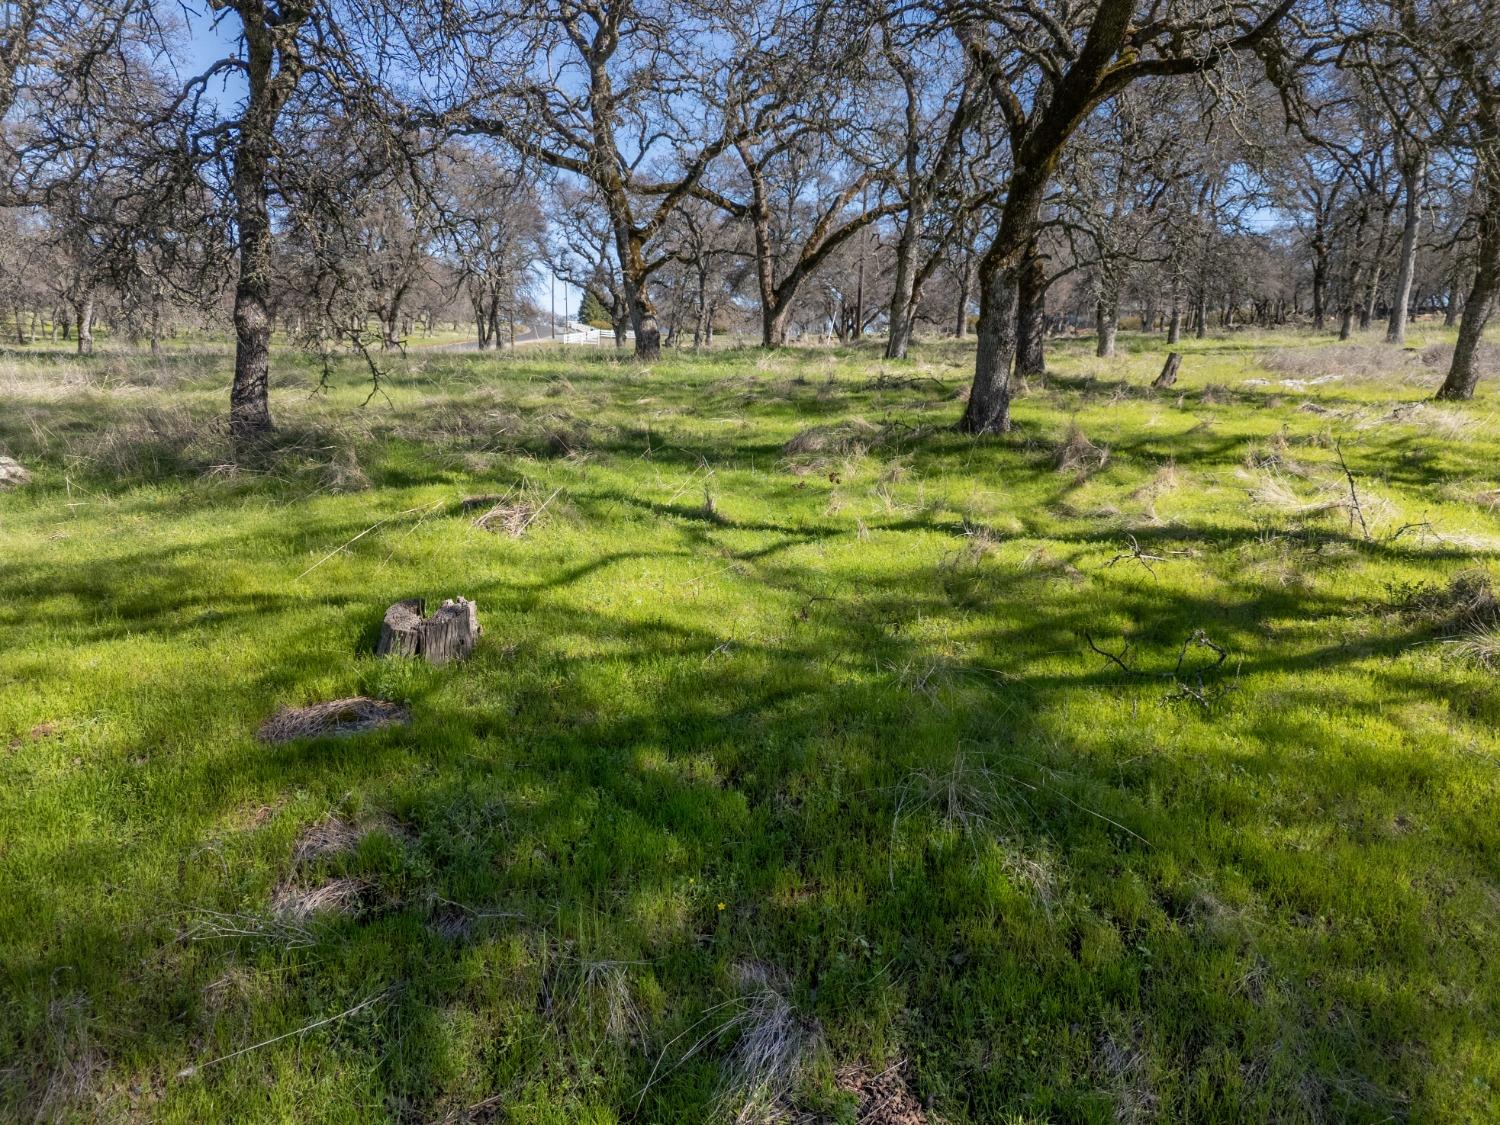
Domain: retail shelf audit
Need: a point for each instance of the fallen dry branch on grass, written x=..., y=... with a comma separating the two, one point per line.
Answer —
x=1138, y=555
x=1186, y=685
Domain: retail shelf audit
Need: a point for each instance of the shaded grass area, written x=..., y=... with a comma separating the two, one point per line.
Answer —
x=805, y=734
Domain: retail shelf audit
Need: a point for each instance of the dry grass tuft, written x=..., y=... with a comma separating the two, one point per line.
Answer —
x=1076, y=454
x=841, y=439
x=1048, y=565
x=1125, y=1061
x=1467, y=606
x=342, y=472
x=1319, y=496
x=606, y=987
x=153, y=443
x=1480, y=644
x=295, y=902
x=335, y=836
x=1440, y=421
x=329, y=836
x=335, y=718
x=73, y=1062
x=967, y=797
x=513, y=513
x=1486, y=359
x=770, y=1053
x=1313, y=366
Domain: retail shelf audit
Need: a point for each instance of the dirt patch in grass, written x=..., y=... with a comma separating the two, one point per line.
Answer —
x=336, y=718
x=884, y=1096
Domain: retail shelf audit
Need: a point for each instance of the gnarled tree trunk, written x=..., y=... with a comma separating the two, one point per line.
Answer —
x=1031, y=316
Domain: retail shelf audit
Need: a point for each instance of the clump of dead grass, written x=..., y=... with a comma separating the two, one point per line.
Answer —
x=840, y=439
x=294, y=901
x=1313, y=366
x=1316, y=495
x=156, y=442
x=771, y=1051
x=1078, y=455
x=335, y=718
x=333, y=835
x=1486, y=358
x=72, y=1061
x=1125, y=1063
x=1467, y=610
x=513, y=513
x=1047, y=565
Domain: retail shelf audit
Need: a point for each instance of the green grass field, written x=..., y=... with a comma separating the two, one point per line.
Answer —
x=814, y=756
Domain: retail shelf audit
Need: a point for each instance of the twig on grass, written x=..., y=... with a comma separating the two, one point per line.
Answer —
x=362, y=534
x=1138, y=555
x=189, y=1071
x=1111, y=657
x=1354, y=505
x=1184, y=690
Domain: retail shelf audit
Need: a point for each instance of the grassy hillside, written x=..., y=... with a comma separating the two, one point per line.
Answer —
x=1141, y=765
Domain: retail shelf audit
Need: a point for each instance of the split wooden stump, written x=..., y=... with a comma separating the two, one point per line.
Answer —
x=449, y=634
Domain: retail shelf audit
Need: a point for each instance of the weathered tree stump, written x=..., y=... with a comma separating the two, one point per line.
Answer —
x=448, y=634
x=401, y=631
x=1168, y=374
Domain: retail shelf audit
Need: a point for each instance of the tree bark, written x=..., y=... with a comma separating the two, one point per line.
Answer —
x=83, y=310
x=1031, y=316
x=1106, y=323
x=901, y=295
x=965, y=288
x=272, y=69
x=1463, y=375
x=401, y=629
x=988, y=409
x=1168, y=374
x=1319, y=289
x=1395, y=331
x=1451, y=309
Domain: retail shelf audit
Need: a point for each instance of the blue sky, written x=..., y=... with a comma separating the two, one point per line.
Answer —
x=207, y=39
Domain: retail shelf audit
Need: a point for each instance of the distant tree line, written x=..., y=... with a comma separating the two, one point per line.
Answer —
x=347, y=172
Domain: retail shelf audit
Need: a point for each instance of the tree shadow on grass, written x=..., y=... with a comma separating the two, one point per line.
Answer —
x=907, y=802
x=922, y=849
